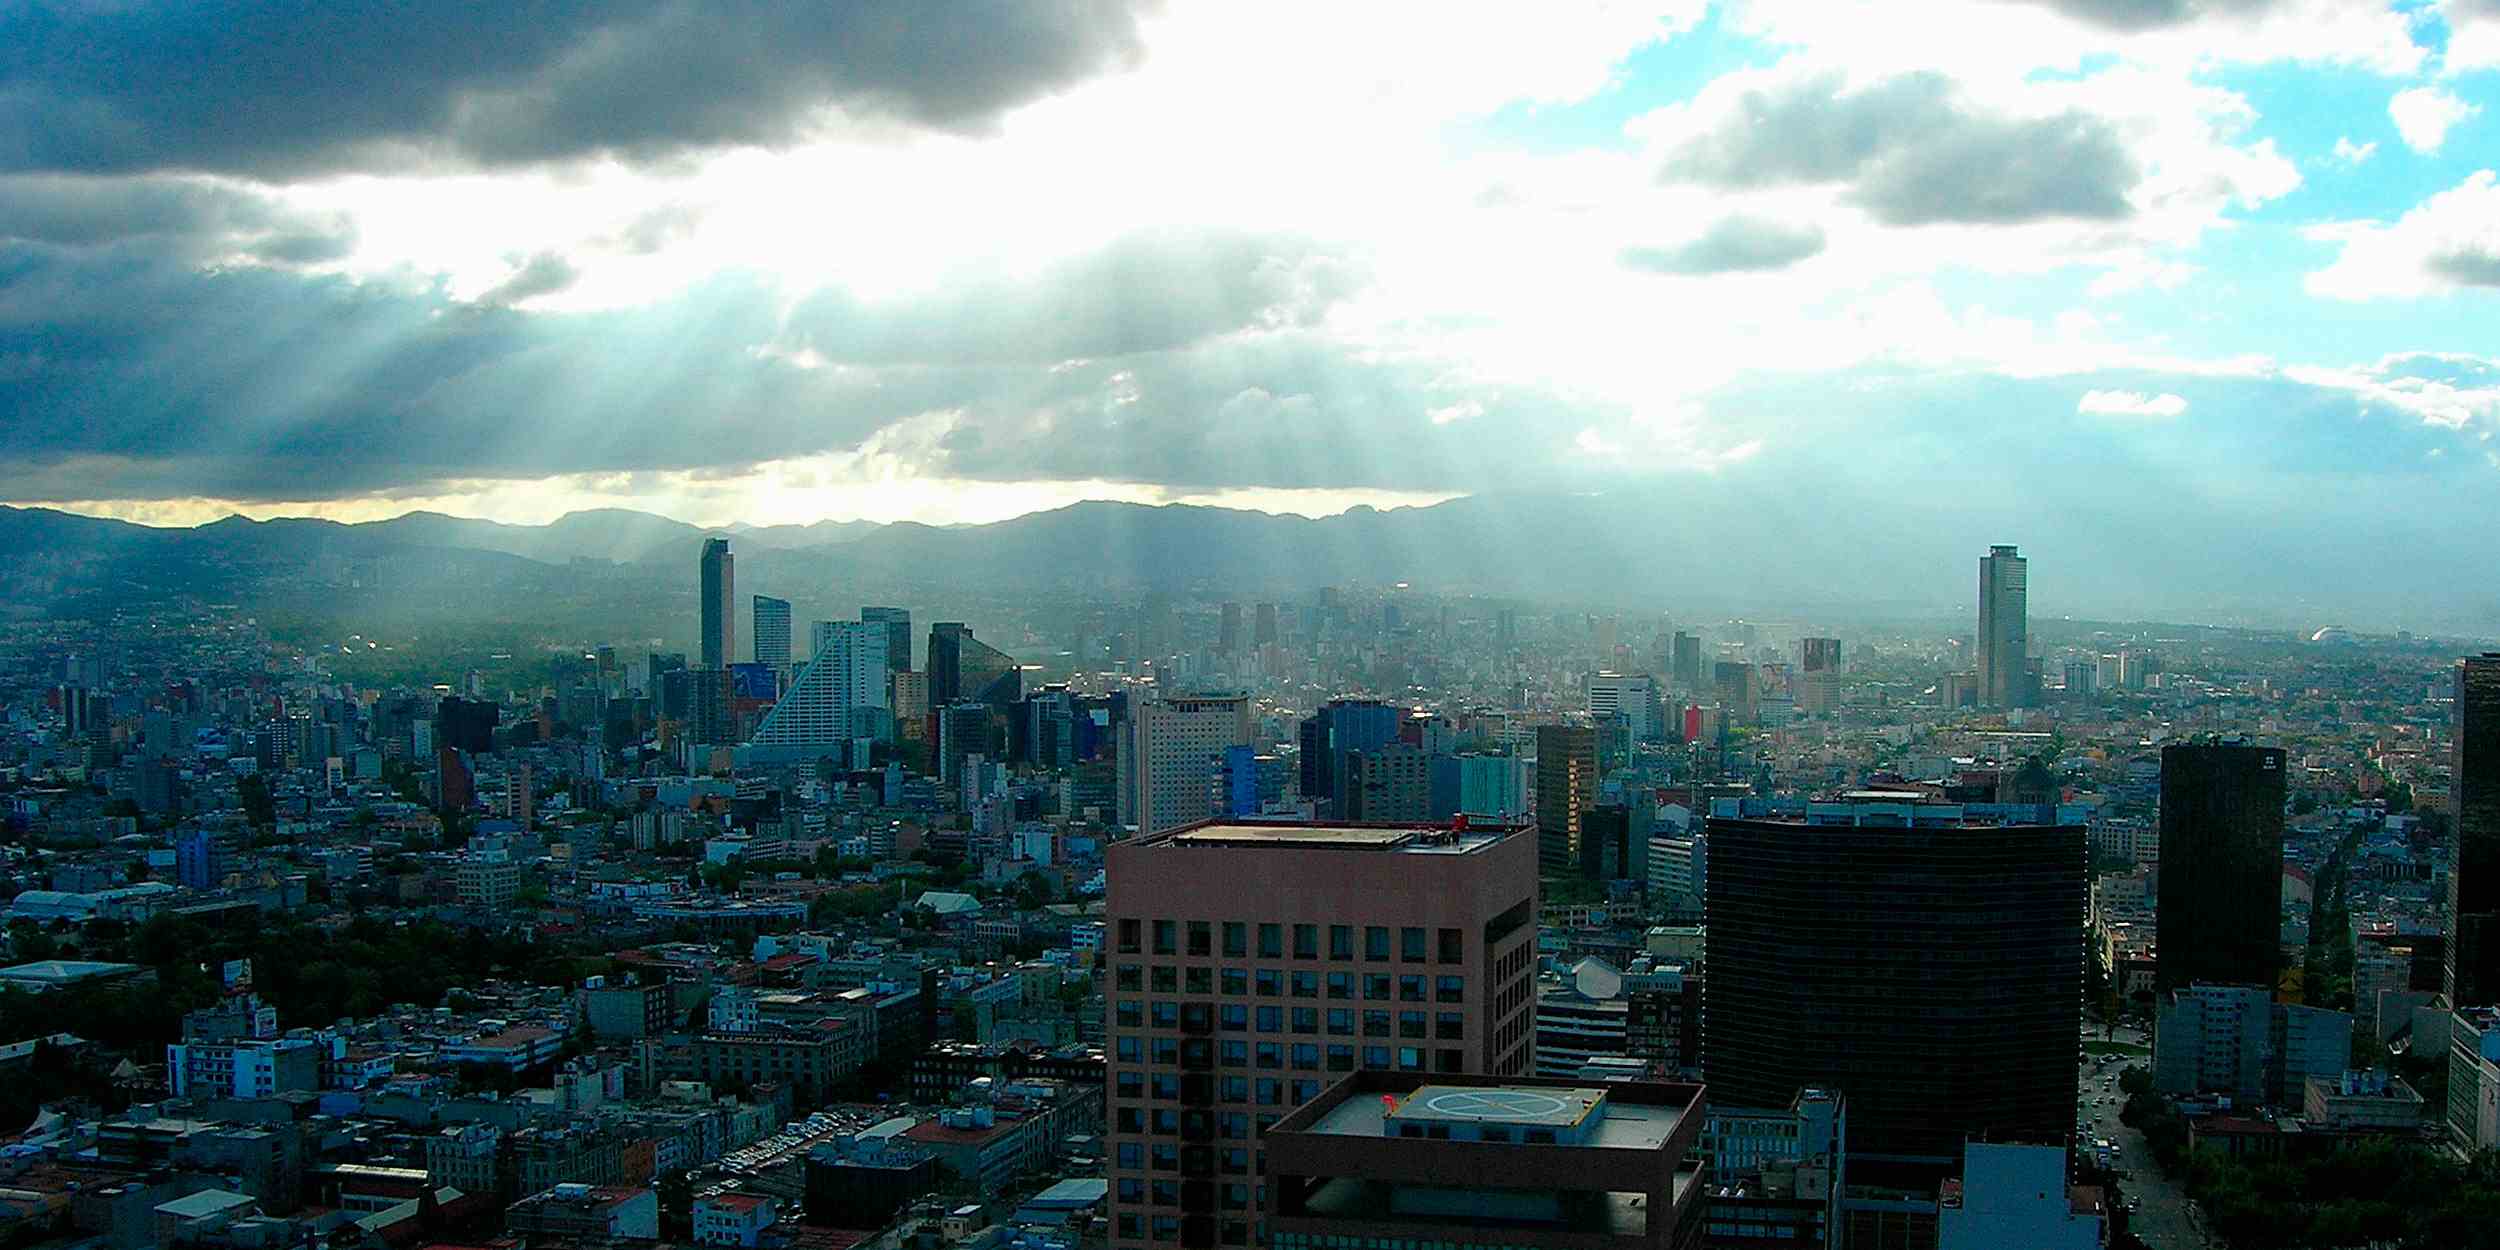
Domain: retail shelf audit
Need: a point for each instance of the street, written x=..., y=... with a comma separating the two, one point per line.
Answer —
x=2161, y=1217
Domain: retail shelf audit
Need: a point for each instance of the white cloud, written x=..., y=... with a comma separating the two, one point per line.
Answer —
x=2011, y=38
x=2432, y=400
x=2473, y=35
x=2348, y=152
x=2136, y=273
x=2129, y=404
x=2448, y=242
x=2425, y=115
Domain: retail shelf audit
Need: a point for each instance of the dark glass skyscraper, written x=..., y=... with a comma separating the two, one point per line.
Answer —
x=1928, y=967
x=897, y=622
x=2220, y=904
x=772, y=631
x=1566, y=783
x=2474, y=875
x=720, y=613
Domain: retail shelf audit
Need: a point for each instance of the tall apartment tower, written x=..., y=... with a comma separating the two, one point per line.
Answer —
x=1255, y=965
x=1263, y=625
x=772, y=631
x=1928, y=964
x=897, y=622
x=836, y=698
x=2219, y=913
x=1566, y=783
x=2473, y=972
x=2004, y=628
x=720, y=613
x=1174, y=749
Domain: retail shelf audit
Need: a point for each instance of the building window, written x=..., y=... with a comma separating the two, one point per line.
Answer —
x=1447, y=1060
x=1449, y=989
x=1306, y=941
x=1129, y=933
x=1271, y=941
x=1306, y=985
x=1411, y=1024
x=1271, y=1019
x=1411, y=945
x=1201, y=939
x=1376, y=942
x=1271, y=982
x=1341, y=941
x=1129, y=977
x=1126, y=1013
x=1236, y=938
x=1340, y=1058
x=1375, y=1024
x=1166, y=938
x=1306, y=1056
x=1271, y=1055
x=1163, y=979
x=1340, y=1022
x=1233, y=1018
x=1167, y=1015
x=1376, y=986
x=1453, y=945
x=1341, y=985
x=1449, y=1026
x=1411, y=988
x=1197, y=980
x=1236, y=981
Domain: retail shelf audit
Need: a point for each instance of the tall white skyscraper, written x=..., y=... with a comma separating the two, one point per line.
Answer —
x=1172, y=753
x=824, y=707
x=1632, y=696
x=2004, y=629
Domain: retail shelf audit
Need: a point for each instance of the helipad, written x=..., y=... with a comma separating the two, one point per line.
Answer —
x=1454, y=1104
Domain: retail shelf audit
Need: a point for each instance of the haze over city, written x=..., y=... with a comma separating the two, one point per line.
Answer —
x=1184, y=625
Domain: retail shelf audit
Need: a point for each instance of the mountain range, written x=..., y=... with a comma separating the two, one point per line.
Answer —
x=1700, y=549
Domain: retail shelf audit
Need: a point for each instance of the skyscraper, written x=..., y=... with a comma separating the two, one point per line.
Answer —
x=1339, y=727
x=1927, y=964
x=963, y=668
x=2219, y=914
x=1817, y=654
x=2004, y=628
x=772, y=631
x=2474, y=875
x=1263, y=625
x=1687, y=674
x=1254, y=965
x=1228, y=629
x=1172, y=753
x=839, y=696
x=1566, y=783
x=720, y=615
x=897, y=622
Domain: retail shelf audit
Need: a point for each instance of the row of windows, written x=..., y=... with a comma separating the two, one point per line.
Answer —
x=1304, y=1057
x=1132, y=1014
x=1167, y=1230
x=1139, y=1192
x=1279, y=983
x=1197, y=938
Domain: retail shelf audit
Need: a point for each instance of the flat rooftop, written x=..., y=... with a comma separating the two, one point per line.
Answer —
x=1407, y=839
x=1621, y=1126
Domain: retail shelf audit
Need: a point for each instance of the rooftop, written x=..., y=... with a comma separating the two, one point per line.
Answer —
x=1409, y=839
x=1617, y=1125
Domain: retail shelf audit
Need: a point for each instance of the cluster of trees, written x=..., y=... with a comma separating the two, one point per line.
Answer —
x=2374, y=1191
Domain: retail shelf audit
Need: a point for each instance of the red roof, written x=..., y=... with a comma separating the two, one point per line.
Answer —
x=736, y=1202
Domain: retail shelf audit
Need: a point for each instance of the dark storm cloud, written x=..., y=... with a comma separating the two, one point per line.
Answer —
x=130, y=372
x=204, y=220
x=1913, y=153
x=307, y=86
x=2138, y=15
x=2472, y=266
x=1731, y=245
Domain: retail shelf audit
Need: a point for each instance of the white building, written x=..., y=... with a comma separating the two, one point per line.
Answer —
x=838, y=697
x=2017, y=1196
x=1174, y=749
x=1632, y=696
x=733, y=1219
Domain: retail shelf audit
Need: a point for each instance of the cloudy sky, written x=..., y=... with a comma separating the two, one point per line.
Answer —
x=2101, y=260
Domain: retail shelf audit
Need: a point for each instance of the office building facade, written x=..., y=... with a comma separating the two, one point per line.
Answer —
x=1173, y=757
x=2004, y=628
x=719, y=590
x=2473, y=972
x=772, y=631
x=897, y=623
x=1253, y=965
x=2219, y=913
x=1928, y=965
x=1566, y=783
